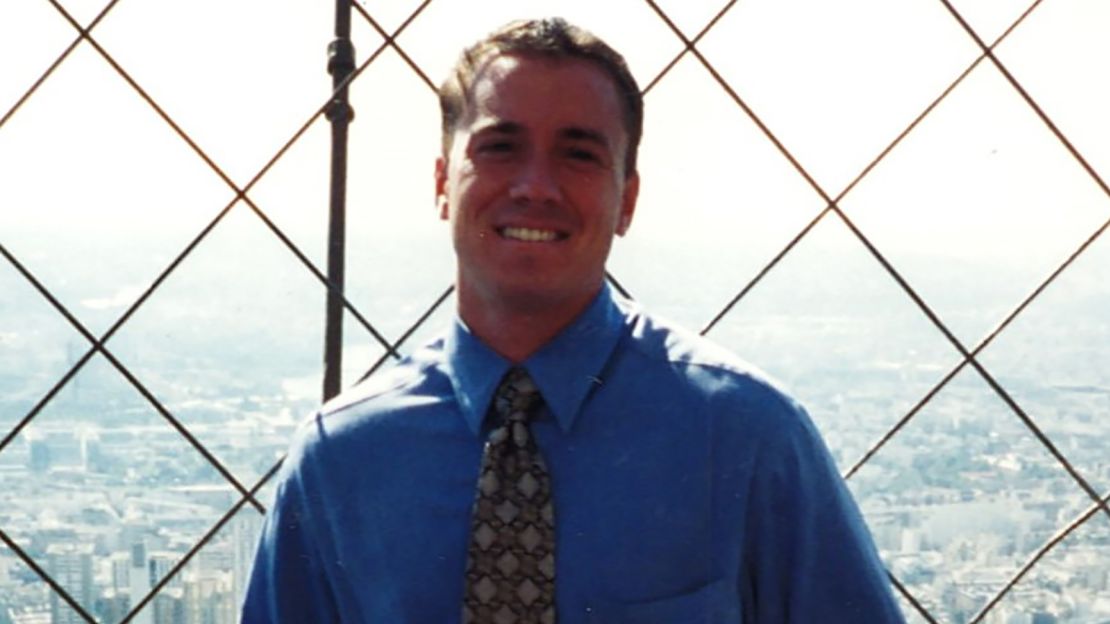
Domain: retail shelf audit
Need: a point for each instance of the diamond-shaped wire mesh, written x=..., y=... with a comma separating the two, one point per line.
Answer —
x=898, y=211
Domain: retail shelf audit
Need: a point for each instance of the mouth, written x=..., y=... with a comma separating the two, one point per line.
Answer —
x=530, y=235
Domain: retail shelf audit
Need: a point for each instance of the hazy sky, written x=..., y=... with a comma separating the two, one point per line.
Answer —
x=981, y=180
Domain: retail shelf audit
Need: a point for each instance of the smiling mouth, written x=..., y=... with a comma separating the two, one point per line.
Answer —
x=530, y=235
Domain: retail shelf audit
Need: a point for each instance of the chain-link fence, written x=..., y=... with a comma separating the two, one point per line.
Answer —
x=898, y=208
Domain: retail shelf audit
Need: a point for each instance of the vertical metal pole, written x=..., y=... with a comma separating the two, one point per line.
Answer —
x=341, y=63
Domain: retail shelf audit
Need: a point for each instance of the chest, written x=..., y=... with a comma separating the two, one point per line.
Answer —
x=639, y=519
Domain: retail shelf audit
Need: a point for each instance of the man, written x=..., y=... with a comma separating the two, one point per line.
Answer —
x=652, y=478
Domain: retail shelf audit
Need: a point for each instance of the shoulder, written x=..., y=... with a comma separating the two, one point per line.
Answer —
x=698, y=362
x=417, y=379
x=702, y=379
x=409, y=376
x=747, y=410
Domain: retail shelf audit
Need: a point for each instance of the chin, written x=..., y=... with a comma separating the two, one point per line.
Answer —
x=540, y=297
x=529, y=295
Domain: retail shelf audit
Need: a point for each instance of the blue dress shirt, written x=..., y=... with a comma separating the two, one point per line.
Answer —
x=686, y=487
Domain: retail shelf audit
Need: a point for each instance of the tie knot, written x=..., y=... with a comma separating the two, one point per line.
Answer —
x=516, y=397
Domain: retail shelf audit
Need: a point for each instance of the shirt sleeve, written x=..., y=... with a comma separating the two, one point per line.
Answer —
x=808, y=554
x=288, y=582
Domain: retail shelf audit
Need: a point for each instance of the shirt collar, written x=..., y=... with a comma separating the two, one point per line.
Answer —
x=564, y=370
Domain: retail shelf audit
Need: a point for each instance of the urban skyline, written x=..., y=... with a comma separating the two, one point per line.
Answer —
x=957, y=501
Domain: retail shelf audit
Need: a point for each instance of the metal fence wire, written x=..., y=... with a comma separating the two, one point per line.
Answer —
x=334, y=106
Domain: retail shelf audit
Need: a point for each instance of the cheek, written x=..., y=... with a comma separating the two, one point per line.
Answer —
x=460, y=198
x=470, y=190
x=598, y=203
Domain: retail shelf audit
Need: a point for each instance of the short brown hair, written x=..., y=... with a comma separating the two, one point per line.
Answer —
x=550, y=37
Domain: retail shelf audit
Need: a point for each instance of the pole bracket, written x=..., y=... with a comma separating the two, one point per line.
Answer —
x=341, y=63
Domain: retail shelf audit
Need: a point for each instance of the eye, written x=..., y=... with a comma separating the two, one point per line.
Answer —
x=496, y=147
x=583, y=155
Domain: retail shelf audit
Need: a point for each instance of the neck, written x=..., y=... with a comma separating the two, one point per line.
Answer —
x=515, y=329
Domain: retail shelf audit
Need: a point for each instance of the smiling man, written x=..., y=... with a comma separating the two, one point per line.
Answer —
x=559, y=455
x=535, y=182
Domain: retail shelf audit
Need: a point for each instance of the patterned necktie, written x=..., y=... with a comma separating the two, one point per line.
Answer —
x=510, y=568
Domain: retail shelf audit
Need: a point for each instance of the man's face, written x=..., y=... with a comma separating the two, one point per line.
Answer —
x=535, y=183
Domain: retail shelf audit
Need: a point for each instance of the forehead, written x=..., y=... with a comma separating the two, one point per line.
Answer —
x=538, y=92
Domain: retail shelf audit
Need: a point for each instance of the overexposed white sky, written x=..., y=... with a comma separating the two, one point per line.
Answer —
x=87, y=160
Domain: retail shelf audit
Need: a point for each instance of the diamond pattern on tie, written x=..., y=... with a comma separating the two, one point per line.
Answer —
x=510, y=570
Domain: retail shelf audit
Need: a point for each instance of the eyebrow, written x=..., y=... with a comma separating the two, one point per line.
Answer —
x=574, y=133
x=504, y=127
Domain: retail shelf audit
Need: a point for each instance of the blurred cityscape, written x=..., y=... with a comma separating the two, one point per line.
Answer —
x=107, y=497
x=107, y=503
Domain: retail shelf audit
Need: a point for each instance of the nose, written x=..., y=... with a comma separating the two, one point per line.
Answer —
x=535, y=182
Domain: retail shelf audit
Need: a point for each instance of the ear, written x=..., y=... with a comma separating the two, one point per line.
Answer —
x=628, y=203
x=441, y=188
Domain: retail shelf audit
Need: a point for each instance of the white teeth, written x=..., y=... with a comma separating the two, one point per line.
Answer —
x=528, y=234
